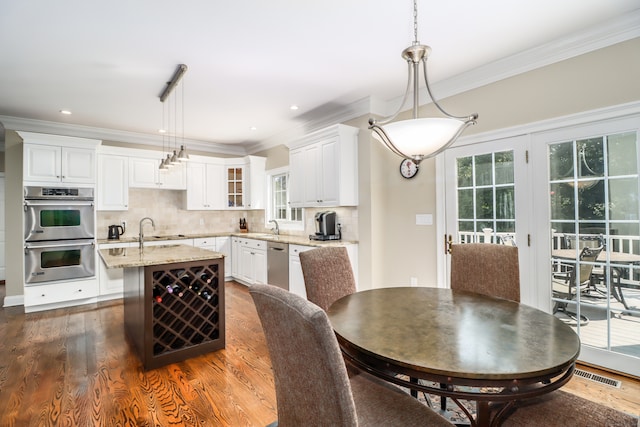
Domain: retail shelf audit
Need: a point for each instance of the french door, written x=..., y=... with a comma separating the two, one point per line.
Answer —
x=487, y=200
x=587, y=203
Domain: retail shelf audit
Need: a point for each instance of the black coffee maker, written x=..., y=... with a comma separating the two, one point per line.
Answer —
x=115, y=231
x=327, y=227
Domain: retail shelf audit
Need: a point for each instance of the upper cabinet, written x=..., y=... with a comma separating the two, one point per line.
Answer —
x=205, y=185
x=57, y=159
x=323, y=168
x=245, y=182
x=145, y=172
x=113, y=182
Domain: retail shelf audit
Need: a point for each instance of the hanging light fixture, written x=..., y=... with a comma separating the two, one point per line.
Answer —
x=417, y=138
x=174, y=158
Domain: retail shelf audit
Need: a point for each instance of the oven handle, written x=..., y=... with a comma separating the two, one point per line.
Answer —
x=69, y=203
x=28, y=246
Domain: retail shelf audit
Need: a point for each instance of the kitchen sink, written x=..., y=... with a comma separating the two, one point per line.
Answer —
x=265, y=236
x=169, y=237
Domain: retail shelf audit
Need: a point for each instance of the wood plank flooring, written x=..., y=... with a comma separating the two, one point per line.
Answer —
x=74, y=367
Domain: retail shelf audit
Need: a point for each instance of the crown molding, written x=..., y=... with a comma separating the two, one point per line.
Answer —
x=54, y=128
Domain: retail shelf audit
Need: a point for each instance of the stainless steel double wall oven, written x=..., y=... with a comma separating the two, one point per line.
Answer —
x=59, y=233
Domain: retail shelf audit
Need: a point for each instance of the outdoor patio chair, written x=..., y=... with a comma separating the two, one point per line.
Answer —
x=328, y=275
x=311, y=381
x=567, y=285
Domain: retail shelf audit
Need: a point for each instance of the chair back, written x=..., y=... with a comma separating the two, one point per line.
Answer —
x=311, y=381
x=487, y=269
x=584, y=241
x=587, y=257
x=328, y=275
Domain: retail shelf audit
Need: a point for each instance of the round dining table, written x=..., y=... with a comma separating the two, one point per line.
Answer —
x=456, y=344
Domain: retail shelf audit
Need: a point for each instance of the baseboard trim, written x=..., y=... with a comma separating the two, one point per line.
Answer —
x=13, y=300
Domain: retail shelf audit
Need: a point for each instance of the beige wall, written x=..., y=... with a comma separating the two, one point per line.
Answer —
x=14, y=257
x=602, y=78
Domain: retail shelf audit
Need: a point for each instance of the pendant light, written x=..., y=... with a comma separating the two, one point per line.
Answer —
x=174, y=158
x=418, y=138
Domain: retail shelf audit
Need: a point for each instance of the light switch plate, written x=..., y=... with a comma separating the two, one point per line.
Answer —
x=424, y=219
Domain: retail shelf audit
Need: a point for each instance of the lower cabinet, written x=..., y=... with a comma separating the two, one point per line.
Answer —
x=111, y=279
x=220, y=244
x=59, y=294
x=249, y=258
x=296, y=279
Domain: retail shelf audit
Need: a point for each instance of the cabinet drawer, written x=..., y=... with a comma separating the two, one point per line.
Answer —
x=294, y=250
x=253, y=244
x=204, y=241
x=60, y=292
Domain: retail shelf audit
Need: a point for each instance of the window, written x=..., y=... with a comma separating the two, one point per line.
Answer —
x=278, y=201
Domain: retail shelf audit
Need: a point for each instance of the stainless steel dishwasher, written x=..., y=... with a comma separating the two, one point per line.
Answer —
x=278, y=264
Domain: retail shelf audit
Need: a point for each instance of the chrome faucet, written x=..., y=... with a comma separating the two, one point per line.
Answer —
x=141, y=234
x=276, y=229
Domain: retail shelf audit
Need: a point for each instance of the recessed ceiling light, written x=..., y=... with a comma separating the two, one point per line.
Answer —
x=66, y=112
x=253, y=128
x=293, y=107
x=162, y=131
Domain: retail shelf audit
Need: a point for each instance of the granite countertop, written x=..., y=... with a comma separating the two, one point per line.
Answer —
x=283, y=238
x=154, y=255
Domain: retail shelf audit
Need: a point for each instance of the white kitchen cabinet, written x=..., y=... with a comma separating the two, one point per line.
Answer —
x=205, y=186
x=111, y=279
x=113, y=183
x=296, y=279
x=218, y=244
x=324, y=168
x=236, y=244
x=252, y=266
x=145, y=172
x=245, y=182
x=60, y=294
x=51, y=163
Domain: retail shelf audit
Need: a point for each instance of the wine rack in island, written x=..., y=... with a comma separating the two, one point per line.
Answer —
x=183, y=306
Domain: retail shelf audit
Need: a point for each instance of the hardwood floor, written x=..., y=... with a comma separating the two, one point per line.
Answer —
x=74, y=367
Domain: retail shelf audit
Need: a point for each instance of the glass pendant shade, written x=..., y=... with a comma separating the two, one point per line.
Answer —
x=163, y=165
x=418, y=139
x=167, y=161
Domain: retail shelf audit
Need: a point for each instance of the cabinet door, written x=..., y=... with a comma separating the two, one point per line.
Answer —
x=328, y=170
x=235, y=186
x=143, y=173
x=196, y=186
x=236, y=253
x=260, y=266
x=174, y=178
x=245, y=266
x=42, y=163
x=223, y=245
x=297, y=176
x=78, y=165
x=311, y=161
x=214, y=186
x=113, y=183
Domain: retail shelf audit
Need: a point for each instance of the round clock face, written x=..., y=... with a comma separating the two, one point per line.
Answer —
x=408, y=169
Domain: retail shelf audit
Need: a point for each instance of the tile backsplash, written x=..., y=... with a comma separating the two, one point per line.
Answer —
x=166, y=209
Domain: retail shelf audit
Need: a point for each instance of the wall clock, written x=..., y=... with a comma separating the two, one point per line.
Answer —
x=408, y=169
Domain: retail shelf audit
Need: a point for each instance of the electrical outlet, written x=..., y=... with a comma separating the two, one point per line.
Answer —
x=201, y=221
x=414, y=281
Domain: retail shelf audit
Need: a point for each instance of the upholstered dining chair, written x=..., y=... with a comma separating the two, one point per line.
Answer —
x=560, y=408
x=578, y=279
x=311, y=381
x=487, y=269
x=328, y=275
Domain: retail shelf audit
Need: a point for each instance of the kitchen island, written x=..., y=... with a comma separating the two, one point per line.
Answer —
x=173, y=301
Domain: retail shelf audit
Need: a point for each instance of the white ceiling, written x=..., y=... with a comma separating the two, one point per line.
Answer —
x=249, y=60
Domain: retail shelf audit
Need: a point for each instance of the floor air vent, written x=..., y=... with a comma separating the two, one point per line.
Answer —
x=598, y=378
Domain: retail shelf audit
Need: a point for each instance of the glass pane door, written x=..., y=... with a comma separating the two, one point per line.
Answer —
x=485, y=192
x=593, y=188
